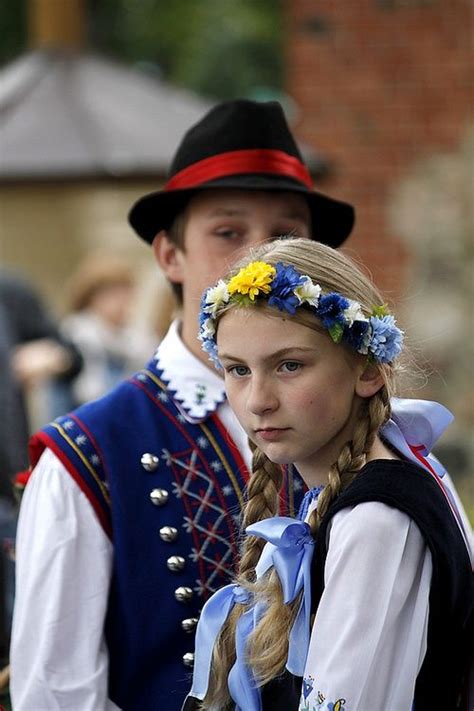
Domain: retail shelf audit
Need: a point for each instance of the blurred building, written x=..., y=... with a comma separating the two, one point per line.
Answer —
x=385, y=87
x=81, y=137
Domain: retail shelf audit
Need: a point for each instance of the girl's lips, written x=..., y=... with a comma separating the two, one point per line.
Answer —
x=271, y=433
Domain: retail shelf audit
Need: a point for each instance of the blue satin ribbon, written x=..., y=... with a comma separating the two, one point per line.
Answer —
x=213, y=615
x=289, y=550
x=417, y=423
x=290, y=543
x=243, y=688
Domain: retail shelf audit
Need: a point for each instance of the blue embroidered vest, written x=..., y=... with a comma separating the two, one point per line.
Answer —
x=169, y=495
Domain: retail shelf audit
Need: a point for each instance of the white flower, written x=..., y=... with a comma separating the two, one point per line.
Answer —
x=208, y=329
x=353, y=313
x=215, y=297
x=364, y=346
x=308, y=293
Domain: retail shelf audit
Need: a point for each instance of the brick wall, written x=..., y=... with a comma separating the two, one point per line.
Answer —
x=379, y=85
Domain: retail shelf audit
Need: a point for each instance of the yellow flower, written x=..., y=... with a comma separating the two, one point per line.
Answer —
x=254, y=278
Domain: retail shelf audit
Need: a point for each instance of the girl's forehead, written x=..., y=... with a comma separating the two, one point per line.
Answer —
x=251, y=329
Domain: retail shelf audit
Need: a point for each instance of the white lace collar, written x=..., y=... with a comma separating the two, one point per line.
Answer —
x=197, y=388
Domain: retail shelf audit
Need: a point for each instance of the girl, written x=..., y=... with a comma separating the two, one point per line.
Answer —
x=365, y=602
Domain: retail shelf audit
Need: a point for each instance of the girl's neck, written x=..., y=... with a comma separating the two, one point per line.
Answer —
x=380, y=450
x=320, y=477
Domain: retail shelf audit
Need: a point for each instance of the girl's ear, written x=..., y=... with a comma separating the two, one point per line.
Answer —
x=369, y=381
x=169, y=257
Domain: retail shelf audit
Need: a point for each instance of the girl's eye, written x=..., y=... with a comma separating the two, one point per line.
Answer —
x=238, y=371
x=290, y=366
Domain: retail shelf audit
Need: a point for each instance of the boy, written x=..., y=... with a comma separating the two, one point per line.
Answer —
x=128, y=520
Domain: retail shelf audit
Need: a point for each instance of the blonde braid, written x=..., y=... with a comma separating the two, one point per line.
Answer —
x=262, y=502
x=266, y=658
x=263, y=491
x=268, y=644
x=375, y=411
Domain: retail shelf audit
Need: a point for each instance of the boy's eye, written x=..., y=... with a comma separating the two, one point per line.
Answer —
x=298, y=230
x=238, y=371
x=227, y=232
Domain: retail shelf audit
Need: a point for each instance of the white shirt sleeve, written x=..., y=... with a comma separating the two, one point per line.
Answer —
x=369, y=636
x=58, y=654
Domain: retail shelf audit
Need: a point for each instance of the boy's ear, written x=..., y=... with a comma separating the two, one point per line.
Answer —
x=369, y=381
x=169, y=257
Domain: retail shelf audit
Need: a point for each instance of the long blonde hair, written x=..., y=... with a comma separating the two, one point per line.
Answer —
x=268, y=644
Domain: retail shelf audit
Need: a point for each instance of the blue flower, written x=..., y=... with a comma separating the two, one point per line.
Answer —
x=286, y=303
x=356, y=336
x=203, y=315
x=286, y=278
x=386, y=340
x=283, y=286
x=209, y=346
x=330, y=309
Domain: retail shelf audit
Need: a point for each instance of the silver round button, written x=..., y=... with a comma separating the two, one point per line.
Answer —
x=168, y=533
x=159, y=497
x=188, y=659
x=176, y=563
x=149, y=461
x=189, y=625
x=183, y=594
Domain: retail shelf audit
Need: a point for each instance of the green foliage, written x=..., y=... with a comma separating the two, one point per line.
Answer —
x=336, y=332
x=219, y=48
x=222, y=48
x=12, y=29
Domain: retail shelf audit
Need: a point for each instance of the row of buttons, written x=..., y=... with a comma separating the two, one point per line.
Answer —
x=175, y=563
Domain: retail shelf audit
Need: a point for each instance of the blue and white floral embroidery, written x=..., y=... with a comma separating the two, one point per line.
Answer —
x=320, y=703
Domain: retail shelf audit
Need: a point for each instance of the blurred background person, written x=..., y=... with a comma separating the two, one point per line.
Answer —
x=100, y=296
x=31, y=351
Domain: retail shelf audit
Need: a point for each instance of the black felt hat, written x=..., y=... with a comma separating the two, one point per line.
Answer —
x=245, y=145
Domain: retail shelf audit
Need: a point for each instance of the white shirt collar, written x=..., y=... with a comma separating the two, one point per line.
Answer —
x=198, y=389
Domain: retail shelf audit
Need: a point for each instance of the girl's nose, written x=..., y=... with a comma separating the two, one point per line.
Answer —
x=262, y=397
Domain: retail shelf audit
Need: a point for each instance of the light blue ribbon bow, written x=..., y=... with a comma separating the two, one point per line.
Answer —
x=289, y=550
x=415, y=426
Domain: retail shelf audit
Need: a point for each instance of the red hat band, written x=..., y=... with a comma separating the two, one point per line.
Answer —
x=240, y=162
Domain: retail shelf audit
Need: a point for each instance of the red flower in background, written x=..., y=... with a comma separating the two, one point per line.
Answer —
x=20, y=480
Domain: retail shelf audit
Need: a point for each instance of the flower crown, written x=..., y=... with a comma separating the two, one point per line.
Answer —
x=283, y=287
